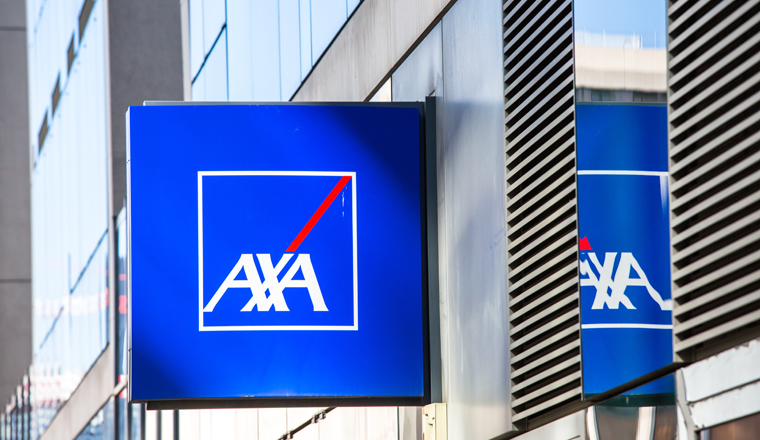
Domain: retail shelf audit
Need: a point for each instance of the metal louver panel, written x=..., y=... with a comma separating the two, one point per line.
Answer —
x=542, y=253
x=714, y=118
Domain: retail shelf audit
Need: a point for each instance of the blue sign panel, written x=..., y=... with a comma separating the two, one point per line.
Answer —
x=626, y=318
x=277, y=252
x=306, y=207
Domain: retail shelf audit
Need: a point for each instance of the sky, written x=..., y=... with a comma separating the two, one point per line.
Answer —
x=642, y=17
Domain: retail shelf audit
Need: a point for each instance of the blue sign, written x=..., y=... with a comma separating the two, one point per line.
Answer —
x=626, y=318
x=276, y=251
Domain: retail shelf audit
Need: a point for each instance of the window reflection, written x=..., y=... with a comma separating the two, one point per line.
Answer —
x=128, y=419
x=269, y=47
x=69, y=208
x=121, y=297
x=77, y=335
x=327, y=16
x=613, y=23
x=620, y=51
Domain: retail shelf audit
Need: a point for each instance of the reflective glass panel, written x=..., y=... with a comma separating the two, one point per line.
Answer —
x=290, y=56
x=327, y=17
x=304, y=14
x=69, y=206
x=213, y=20
x=215, y=71
x=620, y=50
x=136, y=417
x=266, y=51
x=122, y=416
x=198, y=90
x=240, y=50
x=351, y=5
x=197, y=51
x=121, y=299
x=270, y=47
x=622, y=182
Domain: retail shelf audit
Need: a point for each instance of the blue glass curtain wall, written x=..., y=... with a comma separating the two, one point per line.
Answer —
x=67, y=90
x=259, y=51
x=17, y=421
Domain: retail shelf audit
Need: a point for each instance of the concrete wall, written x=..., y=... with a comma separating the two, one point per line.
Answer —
x=91, y=394
x=145, y=64
x=378, y=37
x=621, y=68
x=377, y=423
x=15, y=235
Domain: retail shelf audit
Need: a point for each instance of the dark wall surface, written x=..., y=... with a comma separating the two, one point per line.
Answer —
x=15, y=234
x=145, y=65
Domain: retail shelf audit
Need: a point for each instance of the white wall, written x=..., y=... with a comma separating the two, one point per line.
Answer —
x=377, y=423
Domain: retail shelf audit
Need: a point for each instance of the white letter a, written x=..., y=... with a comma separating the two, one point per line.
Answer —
x=309, y=281
x=252, y=282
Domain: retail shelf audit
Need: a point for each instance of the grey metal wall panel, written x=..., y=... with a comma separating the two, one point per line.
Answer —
x=471, y=198
x=714, y=136
x=420, y=76
x=145, y=61
x=541, y=207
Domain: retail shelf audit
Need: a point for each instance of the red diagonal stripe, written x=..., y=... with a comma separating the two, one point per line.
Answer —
x=317, y=215
x=584, y=245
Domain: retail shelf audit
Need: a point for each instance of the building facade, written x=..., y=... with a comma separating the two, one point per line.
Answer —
x=15, y=240
x=514, y=82
x=83, y=64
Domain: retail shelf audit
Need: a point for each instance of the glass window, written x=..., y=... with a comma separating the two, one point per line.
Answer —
x=290, y=56
x=122, y=416
x=271, y=46
x=121, y=297
x=620, y=51
x=198, y=89
x=327, y=17
x=240, y=50
x=216, y=71
x=70, y=210
x=197, y=51
x=101, y=427
x=351, y=5
x=640, y=23
x=620, y=58
x=266, y=52
x=213, y=20
x=137, y=415
x=304, y=17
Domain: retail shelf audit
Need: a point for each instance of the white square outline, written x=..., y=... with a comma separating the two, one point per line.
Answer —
x=201, y=327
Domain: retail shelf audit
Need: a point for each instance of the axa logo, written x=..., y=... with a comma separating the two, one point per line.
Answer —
x=611, y=281
x=259, y=298
x=277, y=251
